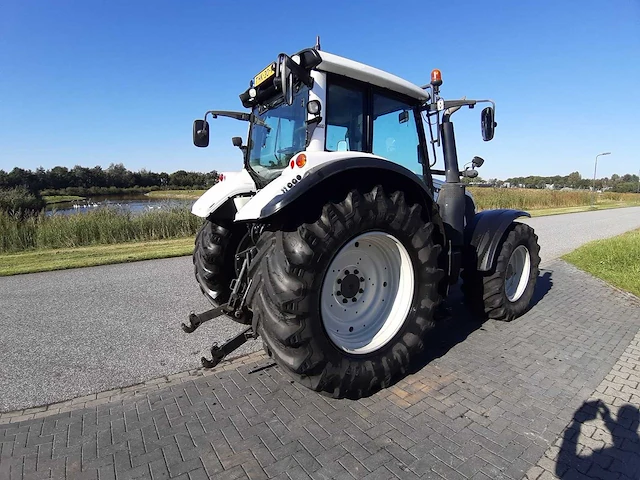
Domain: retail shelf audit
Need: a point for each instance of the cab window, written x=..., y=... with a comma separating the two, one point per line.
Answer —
x=395, y=133
x=345, y=119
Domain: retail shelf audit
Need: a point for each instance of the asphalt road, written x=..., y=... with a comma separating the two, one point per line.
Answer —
x=70, y=333
x=561, y=234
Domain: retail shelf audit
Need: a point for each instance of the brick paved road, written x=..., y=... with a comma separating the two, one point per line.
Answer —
x=602, y=439
x=491, y=401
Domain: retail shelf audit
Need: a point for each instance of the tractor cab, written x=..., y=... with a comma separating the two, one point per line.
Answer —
x=315, y=101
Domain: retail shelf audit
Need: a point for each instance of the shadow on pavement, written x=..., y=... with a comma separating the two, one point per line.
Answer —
x=460, y=322
x=580, y=450
x=543, y=285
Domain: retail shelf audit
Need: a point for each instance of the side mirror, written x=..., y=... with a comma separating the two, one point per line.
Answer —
x=477, y=162
x=487, y=123
x=237, y=141
x=201, y=133
x=285, y=77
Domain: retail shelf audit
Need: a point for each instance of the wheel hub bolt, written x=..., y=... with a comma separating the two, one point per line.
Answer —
x=349, y=286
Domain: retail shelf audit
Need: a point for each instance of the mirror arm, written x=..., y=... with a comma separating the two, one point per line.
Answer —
x=493, y=104
x=311, y=127
x=450, y=104
x=242, y=116
x=258, y=121
x=467, y=172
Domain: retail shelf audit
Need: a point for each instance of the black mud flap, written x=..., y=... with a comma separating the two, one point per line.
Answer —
x=484, y=234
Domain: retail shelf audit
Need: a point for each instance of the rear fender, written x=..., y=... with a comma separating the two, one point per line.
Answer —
x=236, y=185
x=294, y=182
x=484, y=234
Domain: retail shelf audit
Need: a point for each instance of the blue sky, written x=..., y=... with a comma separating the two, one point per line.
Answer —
x=99, y=82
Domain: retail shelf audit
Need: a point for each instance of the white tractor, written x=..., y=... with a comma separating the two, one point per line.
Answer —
x=329, y=246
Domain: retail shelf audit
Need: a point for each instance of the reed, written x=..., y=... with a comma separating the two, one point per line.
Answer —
x=100, y=227
x=530, y=199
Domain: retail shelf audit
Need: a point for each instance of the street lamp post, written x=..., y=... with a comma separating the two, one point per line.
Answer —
x=593, y=195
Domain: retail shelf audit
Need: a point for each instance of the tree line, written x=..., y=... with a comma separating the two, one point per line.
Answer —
x=116, y=176
x=617, y=183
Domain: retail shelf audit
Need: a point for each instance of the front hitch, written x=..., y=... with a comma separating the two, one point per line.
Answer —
x=219, y=352
x=197, y=319
x=236, y=307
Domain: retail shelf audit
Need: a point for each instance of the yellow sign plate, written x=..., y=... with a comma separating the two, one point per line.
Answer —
x=264, y=75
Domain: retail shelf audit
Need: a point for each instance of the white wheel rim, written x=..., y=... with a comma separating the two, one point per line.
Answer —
x=374, y=274
x=517, y=275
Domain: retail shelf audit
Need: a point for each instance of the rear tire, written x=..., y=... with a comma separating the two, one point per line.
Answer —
x=505, y=292
x=300, y=275
x=214, y=261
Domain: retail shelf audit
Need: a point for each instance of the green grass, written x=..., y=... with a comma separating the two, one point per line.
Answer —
x=60, y=259
x=99, y=227
x=615, y=260
x=189, y=194
x=51, y=199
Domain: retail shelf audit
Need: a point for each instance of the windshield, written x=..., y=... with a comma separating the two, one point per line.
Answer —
x=282, y=134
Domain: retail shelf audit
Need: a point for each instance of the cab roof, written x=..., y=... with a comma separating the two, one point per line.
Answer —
x=365, y=73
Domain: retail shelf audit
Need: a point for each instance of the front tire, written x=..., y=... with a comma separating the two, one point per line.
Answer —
x=214, y=258
x=308, y=270
x=505, y=293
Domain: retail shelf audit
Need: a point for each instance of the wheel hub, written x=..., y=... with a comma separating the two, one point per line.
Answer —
x=350, y=285
x=367, y=292
x=510, y=271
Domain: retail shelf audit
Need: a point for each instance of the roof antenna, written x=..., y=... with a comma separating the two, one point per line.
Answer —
x=317, y=47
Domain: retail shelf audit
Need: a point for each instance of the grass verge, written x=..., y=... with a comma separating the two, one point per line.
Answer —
x=51, y=199
x=60, y=259
x=600, y=206
x=180, y=194
x=615, y=260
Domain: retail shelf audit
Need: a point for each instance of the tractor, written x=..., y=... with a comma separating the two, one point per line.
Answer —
x=334, y=244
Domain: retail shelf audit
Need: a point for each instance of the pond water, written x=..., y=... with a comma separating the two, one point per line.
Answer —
x=132, y=203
